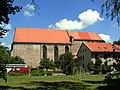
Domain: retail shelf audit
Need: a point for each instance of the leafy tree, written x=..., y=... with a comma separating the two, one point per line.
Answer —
x=4, y=55
x=117, y=42
x=112, y=9
x=66, y=63
x=47, y=64
x=96, y=67
x=105, y=68
x=7, y=8
x=90, y=66
x=17, y=60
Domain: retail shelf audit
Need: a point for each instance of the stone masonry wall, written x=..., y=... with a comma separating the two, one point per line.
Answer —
x=33, y=53
x=29, y=52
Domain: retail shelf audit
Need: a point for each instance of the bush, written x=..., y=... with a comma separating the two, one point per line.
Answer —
x=49, y=73
x=16, y=74
x=105, y=69
x=37, y=73
x=12, y=74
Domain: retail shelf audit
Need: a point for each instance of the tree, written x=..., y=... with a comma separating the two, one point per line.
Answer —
x=66, y=63
x=96, y=67
x=117, y=42
x=4, y=55
x=17, y=60
x=6, y=8
x=46, y=64
x=112, y=9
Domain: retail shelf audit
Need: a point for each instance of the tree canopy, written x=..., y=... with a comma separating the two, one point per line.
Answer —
x=66, y=63
x=117, y=42
x=6, y=8
x=111, y=8
x=5, y=57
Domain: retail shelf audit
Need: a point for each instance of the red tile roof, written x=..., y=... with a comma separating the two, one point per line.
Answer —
x=85, y=36
x=102, y=47
x=37, y=35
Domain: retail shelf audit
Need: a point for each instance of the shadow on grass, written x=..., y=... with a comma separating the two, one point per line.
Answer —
x=112, y=84
x=12, y=88
x=41, y=85
x=64, y=85
x=93, y=82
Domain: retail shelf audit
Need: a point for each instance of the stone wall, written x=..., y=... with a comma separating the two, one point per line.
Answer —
x=29, y=52
x=33, y=53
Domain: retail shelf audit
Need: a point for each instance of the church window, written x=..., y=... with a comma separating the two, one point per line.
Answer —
x=44, y=52
x=56, y=53
x=66, y=49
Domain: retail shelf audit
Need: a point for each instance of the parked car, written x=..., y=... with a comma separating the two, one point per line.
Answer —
x=17, y=68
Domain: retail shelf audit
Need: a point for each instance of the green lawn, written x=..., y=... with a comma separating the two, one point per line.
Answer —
x=90, y=82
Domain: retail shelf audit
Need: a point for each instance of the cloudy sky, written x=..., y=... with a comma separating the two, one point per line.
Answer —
x=72, y=15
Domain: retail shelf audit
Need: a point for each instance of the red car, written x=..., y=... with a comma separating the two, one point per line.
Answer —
x=17, y=68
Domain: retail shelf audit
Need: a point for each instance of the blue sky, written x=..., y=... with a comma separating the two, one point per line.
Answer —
x=73, y=15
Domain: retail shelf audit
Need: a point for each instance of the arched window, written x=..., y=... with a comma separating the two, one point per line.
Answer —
x=44, y=52
x=66, y=49
x=56, y=53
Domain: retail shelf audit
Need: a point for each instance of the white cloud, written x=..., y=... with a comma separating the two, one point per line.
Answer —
x=87, y=18
x=29, y=10
x=105, y=37
x=67, y=25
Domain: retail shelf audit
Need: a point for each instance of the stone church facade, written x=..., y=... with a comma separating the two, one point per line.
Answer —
x=35, y=44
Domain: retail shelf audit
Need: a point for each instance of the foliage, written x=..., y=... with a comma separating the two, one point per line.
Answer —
x=46, y=64
x=105, y=68
x=37, y=73
x=66, y=63
x=4, y=55
x=17, y=60
x=96, y=67
x=16, y=74
x=7, y=8
x=117, y=42
x=112, y=9
x=90, y=66
x=49, y=73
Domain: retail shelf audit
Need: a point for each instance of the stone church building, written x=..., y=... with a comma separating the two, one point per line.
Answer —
x=35, y=44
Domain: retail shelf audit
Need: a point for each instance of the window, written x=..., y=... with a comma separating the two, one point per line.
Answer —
x=83, y=66
x=96, y=56
x=56, y=54
x=83, y=57
x=44, y=52
x=105, y=56
x=66, y=49
x=18, y=69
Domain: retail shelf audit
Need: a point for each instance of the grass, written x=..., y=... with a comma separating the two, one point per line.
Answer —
x=90, y=82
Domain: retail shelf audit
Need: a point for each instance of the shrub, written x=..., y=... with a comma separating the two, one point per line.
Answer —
x=12, y=74
x=105, y=69
x=49, y=73
x=37, y=73
x=16, y=74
